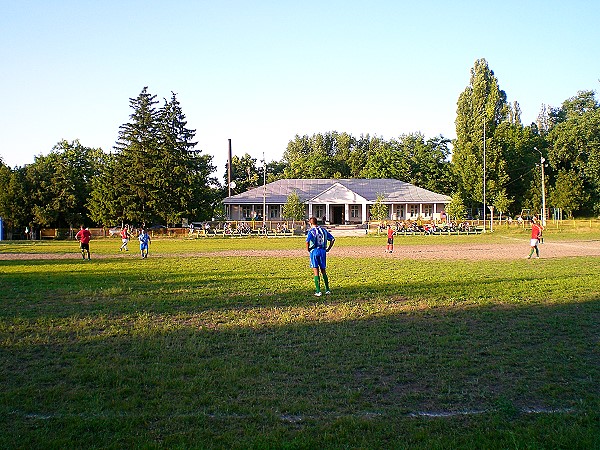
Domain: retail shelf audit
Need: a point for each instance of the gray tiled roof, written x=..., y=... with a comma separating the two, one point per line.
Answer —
x=394, y=191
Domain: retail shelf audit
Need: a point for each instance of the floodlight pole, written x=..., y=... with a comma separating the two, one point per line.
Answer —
x=542, y=161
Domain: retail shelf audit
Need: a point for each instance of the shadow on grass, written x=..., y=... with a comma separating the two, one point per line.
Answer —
x=143, y=382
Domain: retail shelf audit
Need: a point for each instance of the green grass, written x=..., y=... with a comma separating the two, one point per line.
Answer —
x=222, y=352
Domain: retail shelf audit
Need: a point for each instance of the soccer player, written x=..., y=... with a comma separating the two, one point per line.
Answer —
x=390, y=239
x=536, y=234
x=318, y=242
x=84, y=236
x=124, y=238
x=144, y=239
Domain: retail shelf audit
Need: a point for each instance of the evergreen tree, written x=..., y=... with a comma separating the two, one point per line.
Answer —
x=138, y=160
x=158, y=173
x=181, y=187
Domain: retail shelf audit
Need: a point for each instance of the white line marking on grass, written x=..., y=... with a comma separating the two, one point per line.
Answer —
x=293, y=418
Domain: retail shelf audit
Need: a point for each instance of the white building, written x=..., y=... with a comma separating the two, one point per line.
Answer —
x=339, y=201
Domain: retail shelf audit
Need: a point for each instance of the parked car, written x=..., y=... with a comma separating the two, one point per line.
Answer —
x=114, y=231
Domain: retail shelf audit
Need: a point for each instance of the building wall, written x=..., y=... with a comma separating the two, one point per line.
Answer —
x=351, y=213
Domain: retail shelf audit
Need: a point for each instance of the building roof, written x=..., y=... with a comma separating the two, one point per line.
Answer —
x=393, y=191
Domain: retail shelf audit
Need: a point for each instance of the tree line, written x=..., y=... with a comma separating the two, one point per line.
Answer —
x=154, y=174
x=566, y=138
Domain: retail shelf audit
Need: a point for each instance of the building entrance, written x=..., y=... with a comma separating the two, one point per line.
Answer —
x=337, y=214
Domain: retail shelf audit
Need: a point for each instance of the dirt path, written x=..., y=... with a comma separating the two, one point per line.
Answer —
x=508, y=249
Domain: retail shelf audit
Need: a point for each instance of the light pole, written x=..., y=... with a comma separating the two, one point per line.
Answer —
x=542, y=161
x=484, y=178
x=264, y=189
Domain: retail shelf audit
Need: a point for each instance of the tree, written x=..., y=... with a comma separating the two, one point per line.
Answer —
x=59, y=184
x=456, y=208
x=481, y=107
x=105, y=203
x=245, y=173
x=182, y=180
x=568, y=193
x=294, y=209
x=137, y=157
x=14, y=208
x=379, y=210
x=574, y=145
x=158, y=174
x=501, y=203
x=386, y=160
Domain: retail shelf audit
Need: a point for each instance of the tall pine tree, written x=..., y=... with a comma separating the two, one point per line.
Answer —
x=155, y=174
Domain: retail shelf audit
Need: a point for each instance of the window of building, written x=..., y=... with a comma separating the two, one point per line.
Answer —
x=427, y=210
x=399, y=212
x=319, y=211
x=355, y=211
x=413, y=210
x=247, y=212
x=274, y=212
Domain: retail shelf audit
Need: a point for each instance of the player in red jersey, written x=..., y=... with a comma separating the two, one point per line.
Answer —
x=390, y=239
x=84, y=236
x=536, y=235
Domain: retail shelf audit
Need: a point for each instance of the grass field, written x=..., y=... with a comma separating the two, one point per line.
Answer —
x=196, y=349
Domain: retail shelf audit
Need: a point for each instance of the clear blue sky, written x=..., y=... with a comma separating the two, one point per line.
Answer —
x=260, y=72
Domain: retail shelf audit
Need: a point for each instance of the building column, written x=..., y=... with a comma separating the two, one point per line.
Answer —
x=346, y=213
x=392, y=212
x=406, y=211
x=364, y=212
x=310, y=213
x=327, y=219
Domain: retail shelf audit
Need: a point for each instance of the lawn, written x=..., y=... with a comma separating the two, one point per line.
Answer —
x=209, y=351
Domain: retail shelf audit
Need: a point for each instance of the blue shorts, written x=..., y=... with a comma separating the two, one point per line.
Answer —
x=144, y=246
x=318, y=258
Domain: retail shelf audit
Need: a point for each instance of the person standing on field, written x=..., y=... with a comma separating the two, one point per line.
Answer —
x=536, y=234
x=125, y=236
x=318, y=242
x=84, y=236
x=144, y=239
x=390, y=239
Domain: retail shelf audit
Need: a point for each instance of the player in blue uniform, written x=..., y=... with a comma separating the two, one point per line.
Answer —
x=144, y=239
x=318, y=242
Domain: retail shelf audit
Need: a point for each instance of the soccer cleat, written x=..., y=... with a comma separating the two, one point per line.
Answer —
x=318, y=294
x=327, y=292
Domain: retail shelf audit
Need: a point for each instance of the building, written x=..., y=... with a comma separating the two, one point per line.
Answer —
x=339, y=201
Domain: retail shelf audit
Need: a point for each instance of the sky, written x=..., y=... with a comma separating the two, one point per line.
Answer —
x=261, y=72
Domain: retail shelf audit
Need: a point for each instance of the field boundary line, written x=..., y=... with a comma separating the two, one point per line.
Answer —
x=294, y=418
